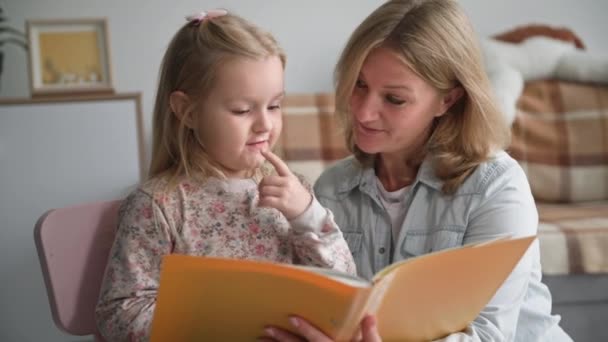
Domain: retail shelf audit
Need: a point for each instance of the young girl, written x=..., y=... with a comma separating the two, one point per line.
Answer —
x=217, y=114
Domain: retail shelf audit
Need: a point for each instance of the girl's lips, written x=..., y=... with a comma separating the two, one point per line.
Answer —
x=258, y=144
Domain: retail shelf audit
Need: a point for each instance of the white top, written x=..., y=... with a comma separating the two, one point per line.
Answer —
x=395, y=204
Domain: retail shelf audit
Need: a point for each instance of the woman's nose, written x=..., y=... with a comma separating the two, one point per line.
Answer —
x=365, y=108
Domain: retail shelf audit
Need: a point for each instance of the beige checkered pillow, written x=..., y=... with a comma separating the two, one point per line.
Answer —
x=311, y=138
x=560, y=137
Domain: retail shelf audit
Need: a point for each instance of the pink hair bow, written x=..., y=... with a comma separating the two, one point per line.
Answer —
x=198, y=17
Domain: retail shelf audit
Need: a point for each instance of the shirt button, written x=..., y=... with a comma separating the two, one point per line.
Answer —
x=381, y=250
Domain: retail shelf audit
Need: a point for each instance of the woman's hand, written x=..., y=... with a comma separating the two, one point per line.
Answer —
x=307, y=332
x=283, y=191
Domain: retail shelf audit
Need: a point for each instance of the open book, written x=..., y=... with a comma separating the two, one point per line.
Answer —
x=422, y=298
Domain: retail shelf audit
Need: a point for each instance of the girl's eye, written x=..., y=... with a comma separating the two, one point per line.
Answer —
x=394, y=100
x=240, y=111
x=274, y=107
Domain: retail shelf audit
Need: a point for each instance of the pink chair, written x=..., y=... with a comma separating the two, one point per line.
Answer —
x=73, y=245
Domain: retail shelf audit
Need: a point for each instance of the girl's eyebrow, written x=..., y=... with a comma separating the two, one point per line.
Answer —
x=279, y=95
x=251, y=100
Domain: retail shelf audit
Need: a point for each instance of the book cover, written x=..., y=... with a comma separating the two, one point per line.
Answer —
x=422, y=298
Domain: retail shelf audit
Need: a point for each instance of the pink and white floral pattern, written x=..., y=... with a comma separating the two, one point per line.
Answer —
x=218, y=218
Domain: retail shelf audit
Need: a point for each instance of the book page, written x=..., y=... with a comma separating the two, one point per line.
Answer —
x=439, y=293
x=337, y=276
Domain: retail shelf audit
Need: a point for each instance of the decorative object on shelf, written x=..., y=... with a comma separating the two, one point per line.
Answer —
x=9, y=35
x=68, y=57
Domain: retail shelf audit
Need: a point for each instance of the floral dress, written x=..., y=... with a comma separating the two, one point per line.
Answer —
x=218, y=218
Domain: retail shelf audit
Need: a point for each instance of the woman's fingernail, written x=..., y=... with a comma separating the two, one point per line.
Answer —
x=269, y=332
x=294, y=321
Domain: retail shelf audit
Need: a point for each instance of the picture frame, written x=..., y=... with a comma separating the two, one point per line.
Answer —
x=69, y=56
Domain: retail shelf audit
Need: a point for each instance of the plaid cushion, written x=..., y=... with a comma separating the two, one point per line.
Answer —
x=560, y=137
x=311, y=138
x=573, y=238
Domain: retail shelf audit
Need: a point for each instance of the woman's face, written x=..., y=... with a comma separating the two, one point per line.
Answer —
x=392, y=108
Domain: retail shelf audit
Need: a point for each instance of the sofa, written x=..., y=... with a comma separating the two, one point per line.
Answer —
x=560, y=137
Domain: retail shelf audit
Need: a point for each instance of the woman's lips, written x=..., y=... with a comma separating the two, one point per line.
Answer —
x=367, y=130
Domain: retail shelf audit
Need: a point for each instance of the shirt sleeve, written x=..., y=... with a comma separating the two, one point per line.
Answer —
x=129, y=288
x=506, y=208
x=318, y=240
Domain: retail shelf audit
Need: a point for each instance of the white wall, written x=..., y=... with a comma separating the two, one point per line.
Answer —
x=311, y=31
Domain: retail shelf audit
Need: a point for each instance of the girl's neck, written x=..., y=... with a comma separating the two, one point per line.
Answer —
x=239, y=174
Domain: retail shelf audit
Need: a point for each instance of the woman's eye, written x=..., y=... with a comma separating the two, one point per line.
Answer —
x=394, y=100
x=360, y=84
x=274, y=107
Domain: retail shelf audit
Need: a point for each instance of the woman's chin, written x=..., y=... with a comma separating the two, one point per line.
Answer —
x=369, y=148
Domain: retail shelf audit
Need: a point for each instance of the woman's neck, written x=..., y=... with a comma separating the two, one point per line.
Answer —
x=394, y=172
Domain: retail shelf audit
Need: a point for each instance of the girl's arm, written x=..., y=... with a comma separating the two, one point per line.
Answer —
x=128, y=293
x=317, y=238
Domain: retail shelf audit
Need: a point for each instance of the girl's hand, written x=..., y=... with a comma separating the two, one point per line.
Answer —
x=283, y=191
x=307, y=332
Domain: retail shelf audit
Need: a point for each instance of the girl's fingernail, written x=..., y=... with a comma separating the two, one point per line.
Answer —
x=269, y=332
x=294, y=321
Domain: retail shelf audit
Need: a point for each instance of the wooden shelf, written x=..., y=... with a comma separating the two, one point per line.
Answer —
x=71, y=98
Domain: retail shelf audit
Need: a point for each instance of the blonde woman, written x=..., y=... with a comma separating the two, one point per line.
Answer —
x=217, y=115
x=428, y=170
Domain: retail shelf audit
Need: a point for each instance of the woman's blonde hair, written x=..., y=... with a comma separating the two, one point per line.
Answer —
x=191, y=63
x=436, y=40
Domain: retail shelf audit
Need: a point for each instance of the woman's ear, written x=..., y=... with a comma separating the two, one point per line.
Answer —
x=450, y=98
x=179, y=103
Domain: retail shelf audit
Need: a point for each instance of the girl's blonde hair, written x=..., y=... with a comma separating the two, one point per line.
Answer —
x=191, y=63
x=436, y=40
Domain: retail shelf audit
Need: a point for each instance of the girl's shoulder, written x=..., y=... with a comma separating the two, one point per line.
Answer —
x=163, y=190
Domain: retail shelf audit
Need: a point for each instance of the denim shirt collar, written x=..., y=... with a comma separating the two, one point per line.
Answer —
x=365, y=178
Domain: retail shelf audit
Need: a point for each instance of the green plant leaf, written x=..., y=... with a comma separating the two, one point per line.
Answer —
x=14, y=41
x=8, y=29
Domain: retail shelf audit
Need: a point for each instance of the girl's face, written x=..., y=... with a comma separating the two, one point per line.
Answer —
x=392, y=108
x=242, y=114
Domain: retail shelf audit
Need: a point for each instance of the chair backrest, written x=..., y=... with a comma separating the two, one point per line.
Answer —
x=73, y=246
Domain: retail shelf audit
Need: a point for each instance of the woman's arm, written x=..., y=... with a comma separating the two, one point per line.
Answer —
x=128, y=293
x=368, y=332
x=506, y=208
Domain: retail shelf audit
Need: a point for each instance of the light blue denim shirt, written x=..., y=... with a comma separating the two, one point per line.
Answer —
x=494, y=201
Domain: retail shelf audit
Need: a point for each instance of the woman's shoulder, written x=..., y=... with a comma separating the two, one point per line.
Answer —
x=341, y=175
x=498, y=170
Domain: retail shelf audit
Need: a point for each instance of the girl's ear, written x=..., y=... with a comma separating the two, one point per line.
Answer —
x=450, y=98
x=179, y=103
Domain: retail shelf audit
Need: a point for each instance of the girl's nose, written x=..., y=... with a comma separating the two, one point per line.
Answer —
x=263, y=122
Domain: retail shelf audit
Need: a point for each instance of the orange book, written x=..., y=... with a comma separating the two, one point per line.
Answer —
x=419, y=299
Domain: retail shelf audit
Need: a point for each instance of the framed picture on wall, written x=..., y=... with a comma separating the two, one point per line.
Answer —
x=69, y=57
